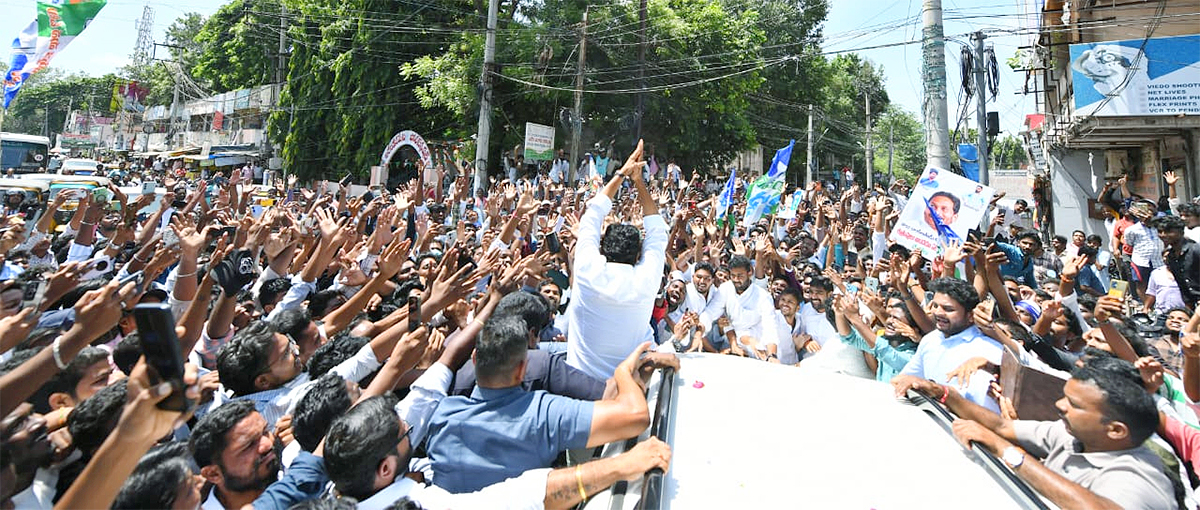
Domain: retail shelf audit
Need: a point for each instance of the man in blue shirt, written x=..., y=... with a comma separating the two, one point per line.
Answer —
x=955, y=341
x=1020, y=257
x=503, y=430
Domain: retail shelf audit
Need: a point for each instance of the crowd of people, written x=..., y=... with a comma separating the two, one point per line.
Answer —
x=432, y=347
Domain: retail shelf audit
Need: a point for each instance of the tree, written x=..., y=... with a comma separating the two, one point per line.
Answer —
x=907, y=139
x=236, y=47
x=1008, y=153
x=41, y=106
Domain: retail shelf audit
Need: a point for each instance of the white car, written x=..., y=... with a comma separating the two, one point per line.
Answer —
x=748, y=434
x=78, y=166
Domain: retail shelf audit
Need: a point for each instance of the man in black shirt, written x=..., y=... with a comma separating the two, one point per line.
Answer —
x=1182, y=256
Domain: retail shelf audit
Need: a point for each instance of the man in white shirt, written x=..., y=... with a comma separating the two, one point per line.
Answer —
x=559, y=168
x=822, y=345
x=748, y=323
x=617, y=277
x=702, y=297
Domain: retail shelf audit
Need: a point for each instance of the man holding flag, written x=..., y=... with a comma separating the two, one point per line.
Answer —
x=58, y=23
x=763, y=196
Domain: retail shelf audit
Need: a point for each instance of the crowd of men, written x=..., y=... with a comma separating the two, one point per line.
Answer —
x=431, y=347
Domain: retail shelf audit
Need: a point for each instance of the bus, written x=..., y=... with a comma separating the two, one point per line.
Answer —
x=23, y=153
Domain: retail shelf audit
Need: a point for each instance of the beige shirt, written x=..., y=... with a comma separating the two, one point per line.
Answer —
x=1132, y=478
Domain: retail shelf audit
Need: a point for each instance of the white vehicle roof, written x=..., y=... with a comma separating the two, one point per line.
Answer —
x=77, y=163
x=749, y=434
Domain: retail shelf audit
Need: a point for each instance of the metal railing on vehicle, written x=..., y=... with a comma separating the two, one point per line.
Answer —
x=652, y=482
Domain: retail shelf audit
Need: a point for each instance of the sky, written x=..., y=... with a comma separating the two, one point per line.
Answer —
x=108, y=41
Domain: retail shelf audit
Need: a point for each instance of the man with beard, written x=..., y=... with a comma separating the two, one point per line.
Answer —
x=237, y=453
x=954, y=341
x=1094, y=457
x=703, y=298
x=1021, y=257
x=673, y=297
x=748, y=324
x=822, y=345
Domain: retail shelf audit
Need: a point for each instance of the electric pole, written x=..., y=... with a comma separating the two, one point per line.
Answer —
x=280, y=66
x=981, y=108
x=641, y=95
x=577, y=119
x=891, y=149
x=937, y=124
x=483, y=139
x=870, y=147
x=808, y=165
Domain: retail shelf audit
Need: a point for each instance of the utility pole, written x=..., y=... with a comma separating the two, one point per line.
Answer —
x=577, y=119
x=808, y=165
x=891, y=149
x=280, y=66
x=483, y=139
x=981, y=108
x=870, y=147
x=641, y=95
x=937, y=124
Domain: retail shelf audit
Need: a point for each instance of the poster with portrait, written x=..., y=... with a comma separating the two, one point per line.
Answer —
x=1157, y=76
x=943, y=206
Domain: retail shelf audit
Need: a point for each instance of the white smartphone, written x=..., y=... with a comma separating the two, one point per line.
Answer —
x=148, y=188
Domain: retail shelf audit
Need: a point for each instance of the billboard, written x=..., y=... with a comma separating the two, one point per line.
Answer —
x=539, y=142
x=943, y=207
x=1159, y=76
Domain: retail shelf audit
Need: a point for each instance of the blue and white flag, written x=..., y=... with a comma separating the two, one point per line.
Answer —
x=726, y=197
x=763, y=196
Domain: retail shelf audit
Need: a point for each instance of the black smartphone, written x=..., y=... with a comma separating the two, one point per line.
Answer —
x=464, y=259
x=974, y=235
x=988, y=242
x=558, y=277
x=138, y=276
x=851, y=258
x=156, y=328
x=552, y=243
x=414, y=313
x=345, y=181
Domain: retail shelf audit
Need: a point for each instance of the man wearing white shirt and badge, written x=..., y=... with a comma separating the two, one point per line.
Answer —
x=617, y=277
x=748, y=325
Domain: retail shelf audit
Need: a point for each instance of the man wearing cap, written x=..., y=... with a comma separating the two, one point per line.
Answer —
x=1147, y=248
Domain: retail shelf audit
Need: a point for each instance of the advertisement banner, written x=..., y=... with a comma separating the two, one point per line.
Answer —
x=539, y=142
x=943, y=207
x=1158, y=76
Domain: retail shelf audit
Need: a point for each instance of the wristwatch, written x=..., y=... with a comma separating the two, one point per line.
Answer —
x=1013, y=456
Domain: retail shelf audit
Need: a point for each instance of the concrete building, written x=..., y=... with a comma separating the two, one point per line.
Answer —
x=1118, y=94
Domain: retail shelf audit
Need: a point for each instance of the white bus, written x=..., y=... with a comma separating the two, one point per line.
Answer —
x=23, y=153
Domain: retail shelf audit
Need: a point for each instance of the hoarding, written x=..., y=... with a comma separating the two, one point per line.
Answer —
x=1158, y=76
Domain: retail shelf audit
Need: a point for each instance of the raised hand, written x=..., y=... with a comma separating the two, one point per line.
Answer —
x=953, y=253
x=633, y=164
x=1171, y=177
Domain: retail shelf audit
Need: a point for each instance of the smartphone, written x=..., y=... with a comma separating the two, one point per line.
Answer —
x=138, y=276
x=97, y=268
x=559, y=278
x=552, y=243
x=231, y=230
x=974, y=235
x=851, y=258
x=34, y=293
x=101, y=194
x=156, y=328
x=414, y=311
x=872, y=283
x=345, y=181
x=464, y=259
x=148, y=188
x=1118, y=288
x=170, y=239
